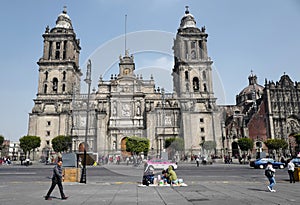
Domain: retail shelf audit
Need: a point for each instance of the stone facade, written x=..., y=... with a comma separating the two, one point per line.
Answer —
x=263, y=113
x=59, y=80
x=126, y=104
x=282, y=104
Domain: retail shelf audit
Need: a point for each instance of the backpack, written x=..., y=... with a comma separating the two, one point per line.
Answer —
x=268, y=173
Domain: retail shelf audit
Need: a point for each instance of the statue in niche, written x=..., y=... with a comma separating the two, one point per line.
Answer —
x=138, y=109
x=114, y=111
x=82, y=122
x=125, y=110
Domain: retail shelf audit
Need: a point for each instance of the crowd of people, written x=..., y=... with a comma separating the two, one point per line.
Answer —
x=5, y=160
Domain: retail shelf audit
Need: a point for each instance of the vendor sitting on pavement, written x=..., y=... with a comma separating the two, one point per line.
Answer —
x=148, y=176
x=171, y=174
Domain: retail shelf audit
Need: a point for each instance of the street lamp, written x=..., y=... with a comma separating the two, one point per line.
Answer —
x=88, y=82
x=163, y=122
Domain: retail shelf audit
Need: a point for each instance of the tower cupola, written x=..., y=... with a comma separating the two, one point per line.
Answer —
x=188, y=20
x=63, y=20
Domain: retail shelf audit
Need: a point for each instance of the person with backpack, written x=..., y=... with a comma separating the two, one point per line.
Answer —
x=270, y=174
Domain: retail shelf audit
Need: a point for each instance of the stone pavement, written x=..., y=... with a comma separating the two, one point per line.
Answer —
x=202, y=192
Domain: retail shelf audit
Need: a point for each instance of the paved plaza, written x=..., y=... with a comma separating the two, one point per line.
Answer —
x=206, y=190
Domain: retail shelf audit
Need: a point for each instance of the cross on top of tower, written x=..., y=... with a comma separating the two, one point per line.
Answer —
x=65, y=10
x=187, y=10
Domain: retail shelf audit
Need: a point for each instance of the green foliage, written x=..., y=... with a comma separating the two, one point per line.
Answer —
x=28, y=143
x=297, y=138
x=209, y=145
x=175, y=143
x=61, y=143
x=1, y=141
x=137, y=145
x=276, y=144
x=245, y=143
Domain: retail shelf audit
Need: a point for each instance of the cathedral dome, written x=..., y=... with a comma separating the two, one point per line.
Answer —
x=188, y=20
x=63, y=20
x=250, y=93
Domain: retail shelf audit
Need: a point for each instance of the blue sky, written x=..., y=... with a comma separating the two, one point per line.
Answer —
x=262, y=36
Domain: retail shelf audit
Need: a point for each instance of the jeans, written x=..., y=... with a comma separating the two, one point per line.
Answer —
x=272, y=182
x=291, y=174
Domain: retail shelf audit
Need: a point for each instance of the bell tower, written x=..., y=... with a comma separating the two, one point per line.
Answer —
x=59, y=78
x=192, y=82
x=59, y=65
x=192, y=73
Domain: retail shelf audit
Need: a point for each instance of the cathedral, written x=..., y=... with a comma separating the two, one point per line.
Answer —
x=127, y=105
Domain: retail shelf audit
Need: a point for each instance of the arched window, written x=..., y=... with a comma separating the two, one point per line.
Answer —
x=64, y=75
x=186, y=73
x=45, y=88
x=55, y=84
x=64, y=87
x=196, y=84
x=46, y=75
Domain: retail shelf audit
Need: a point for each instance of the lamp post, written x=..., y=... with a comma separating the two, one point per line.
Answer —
x=163, y=123
x=88, y=82
x=223, y=137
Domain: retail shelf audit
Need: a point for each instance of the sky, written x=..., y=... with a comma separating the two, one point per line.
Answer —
x=262, y=36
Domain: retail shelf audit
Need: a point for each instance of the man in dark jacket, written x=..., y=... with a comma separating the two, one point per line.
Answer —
x=57, y=179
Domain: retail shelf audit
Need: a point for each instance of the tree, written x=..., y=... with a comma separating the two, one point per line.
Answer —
x=276, y=144
x=1, y=144
x=297, y=138
x=209, y=145
x=245, y=145
x=1, y=140
x=137, y=145
x=28, y=143
x=174, y=144
x=61, y=143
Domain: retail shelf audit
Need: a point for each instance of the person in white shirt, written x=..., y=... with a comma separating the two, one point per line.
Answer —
x=291, y=169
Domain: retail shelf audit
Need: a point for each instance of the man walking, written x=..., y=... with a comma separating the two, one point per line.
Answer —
x=270, y=174
x=57, y=179
x=291, y=169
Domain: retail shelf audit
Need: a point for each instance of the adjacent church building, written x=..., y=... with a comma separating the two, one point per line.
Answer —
x=128, y=105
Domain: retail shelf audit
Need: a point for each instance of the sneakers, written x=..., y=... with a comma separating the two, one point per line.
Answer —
x=64, y=198
x=271, y=190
